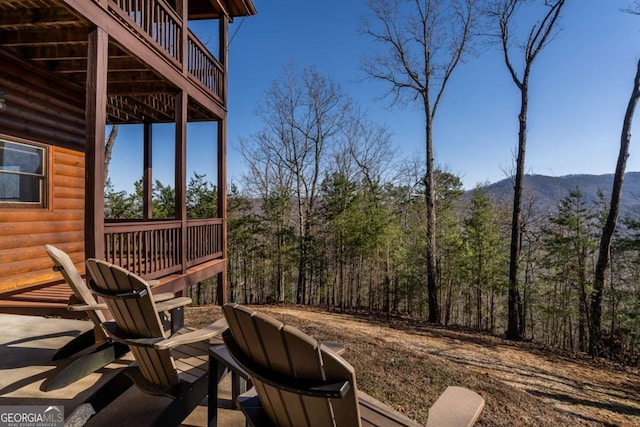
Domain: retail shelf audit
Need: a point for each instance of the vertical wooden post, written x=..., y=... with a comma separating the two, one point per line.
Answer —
x=181, y=172
x=223, y=35
x=182, y=10
x=147, y=178
x=96, y=119
x=222, y=291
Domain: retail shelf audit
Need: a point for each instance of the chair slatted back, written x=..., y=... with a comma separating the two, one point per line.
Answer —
x=128, y=296
x=67, y=268
x=287, y=351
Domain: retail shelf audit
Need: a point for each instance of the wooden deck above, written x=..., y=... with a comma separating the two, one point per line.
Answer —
x=152, y=52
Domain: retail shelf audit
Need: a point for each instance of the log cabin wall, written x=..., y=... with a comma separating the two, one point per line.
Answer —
x=43, y=110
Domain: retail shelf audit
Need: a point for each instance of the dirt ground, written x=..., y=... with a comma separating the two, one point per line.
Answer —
x=407, y=364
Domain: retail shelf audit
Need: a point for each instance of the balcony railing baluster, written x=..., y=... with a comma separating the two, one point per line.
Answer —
x=157, y=20
x=152, y=249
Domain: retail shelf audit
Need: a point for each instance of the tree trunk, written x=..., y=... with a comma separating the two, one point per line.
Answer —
x=612, y=218
x=492, y=312
x=583, y=312
x=302, y=258
x=280, y=291
x=430, y=196
x=479, y=289
x=514, y=326
x=387, y=284
x=447, y=303
x=537, y=39
x=108, y=149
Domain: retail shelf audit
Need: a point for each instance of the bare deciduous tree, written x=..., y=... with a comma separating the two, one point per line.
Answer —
x=302, y=113
x=612, y=218
x=425, y=40
x=367, y=145
x=634, y=8
x=269, y=179
x=503, y=14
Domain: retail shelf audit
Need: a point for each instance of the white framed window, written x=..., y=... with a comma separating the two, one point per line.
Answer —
x=23, y=174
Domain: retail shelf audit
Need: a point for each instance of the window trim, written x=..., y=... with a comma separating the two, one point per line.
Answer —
x=44, y=202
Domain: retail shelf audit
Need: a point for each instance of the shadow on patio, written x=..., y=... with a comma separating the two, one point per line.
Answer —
x=27, y=344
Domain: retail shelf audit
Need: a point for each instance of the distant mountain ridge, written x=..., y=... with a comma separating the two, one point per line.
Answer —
x=549, y=190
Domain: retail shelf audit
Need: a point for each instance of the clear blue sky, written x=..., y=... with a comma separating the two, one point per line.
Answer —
x=579, y=89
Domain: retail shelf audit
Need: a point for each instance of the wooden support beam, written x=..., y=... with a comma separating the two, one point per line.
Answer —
x=96, y=118
x=154, y=106
x=147, y=183
x=26, y=18
x=48, y=52
x=137, y=78
x=72, y=51
x=74, y=66
x=223, y=29
x=41, y=37
x=181, y=171
x=223, y=9
x=221, y=292
x=182, y=9
x=139, y=88
x=140, y=108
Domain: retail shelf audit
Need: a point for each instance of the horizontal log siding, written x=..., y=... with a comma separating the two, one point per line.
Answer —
x=43, y=110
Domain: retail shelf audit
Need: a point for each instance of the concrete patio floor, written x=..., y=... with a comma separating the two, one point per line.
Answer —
x=27, y=344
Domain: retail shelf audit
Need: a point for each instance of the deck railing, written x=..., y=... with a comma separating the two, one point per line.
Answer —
x=158, y=22
x=204, y=67
x=154, y=249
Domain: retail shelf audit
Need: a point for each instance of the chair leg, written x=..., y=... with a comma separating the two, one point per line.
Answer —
x=79, y=343
x=212, y=403
x=238, y=386
x=177, y=319
x=187, y=397
x=220, y=361
x=174, y=320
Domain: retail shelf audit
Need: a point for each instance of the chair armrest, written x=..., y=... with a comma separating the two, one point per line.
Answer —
x=87, y=307
x=221, y=354
x=173, y=304
x=373, y=410
x=198, y=335
x=153, y=282
x=103, y=306
x=336, y=347
x=467, y=403
x=117, y=335
x=165, y=296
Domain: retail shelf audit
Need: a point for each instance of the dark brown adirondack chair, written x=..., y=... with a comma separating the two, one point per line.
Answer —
x=173, y=365
x=300, y=382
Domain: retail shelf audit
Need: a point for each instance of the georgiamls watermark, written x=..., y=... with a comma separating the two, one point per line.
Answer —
x=31, y=416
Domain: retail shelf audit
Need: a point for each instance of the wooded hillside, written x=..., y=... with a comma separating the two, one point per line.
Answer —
x=366, y=254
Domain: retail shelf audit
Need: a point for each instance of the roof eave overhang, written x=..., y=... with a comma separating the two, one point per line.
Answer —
x=214, y=9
